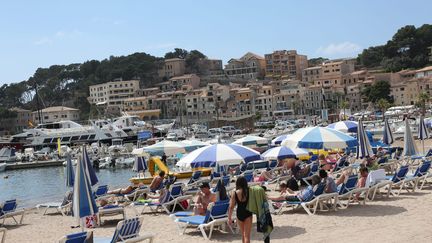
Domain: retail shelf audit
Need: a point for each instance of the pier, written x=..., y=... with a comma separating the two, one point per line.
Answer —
x=36, y=164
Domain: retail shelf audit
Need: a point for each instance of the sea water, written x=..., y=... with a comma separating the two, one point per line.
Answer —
x=40, y=185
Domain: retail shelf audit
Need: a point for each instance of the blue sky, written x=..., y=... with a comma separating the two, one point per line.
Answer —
x=42, y=33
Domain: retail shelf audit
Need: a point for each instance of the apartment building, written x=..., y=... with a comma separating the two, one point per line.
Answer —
x=178, y=82
x=172, y=67
x=406, y=92
x=285, y=64
x=248, y=67
x=55, y=114
x=311, y=74
x=113, y=93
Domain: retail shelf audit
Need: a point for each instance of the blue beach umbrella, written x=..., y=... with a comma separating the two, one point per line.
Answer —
x=139, y=164
x=422, y=132
x=344, y=126
x=319, y=138
x=278, y=140
x=69, y=172
x=83, y=203
x=88, y=167
x=219, y=155
x=364, y=149
x=410, y=148
x=284, y=152
x=387, y=133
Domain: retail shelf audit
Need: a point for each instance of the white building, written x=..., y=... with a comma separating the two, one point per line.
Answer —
x=113, y=93
x=55, y=114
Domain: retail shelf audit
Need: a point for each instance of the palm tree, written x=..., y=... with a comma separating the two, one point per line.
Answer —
x=383, y=104
x=344, y=105
x=422, y=99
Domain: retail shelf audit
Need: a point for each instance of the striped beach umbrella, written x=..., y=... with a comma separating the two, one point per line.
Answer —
x=219, y=155
x=69, y=172
x=139, y=164
x=83, y=203
x=319, y=138
x=251, y=140
x=387, y=133
x=191, y=145
x=284, y=152
x=344, y=126
x=165, y=147
x=364, y=149
x=278, y=140
x=410, y=148
x=422, y=132
x=88, y=167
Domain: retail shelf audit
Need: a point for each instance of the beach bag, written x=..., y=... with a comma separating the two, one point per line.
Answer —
x=91, y=221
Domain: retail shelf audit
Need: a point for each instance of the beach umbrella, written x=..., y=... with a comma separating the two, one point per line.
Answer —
x=344, y=126
x=251, y=140
x=139, y=164
x=410, y=147
x=88, y=167
x=219, y=155
x=387, y=133
x=422, y=132
x=83, y=202
x=278, y=140
x=191, y=145
x=69, y=172
x=319, y=138
x=284, y=152
x=364, y=149
x=165, y=147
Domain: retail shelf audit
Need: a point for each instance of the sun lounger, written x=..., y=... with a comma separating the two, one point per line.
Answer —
x=127, y=230
x=318, y=201
x=77, y=237
x=216, y=216
x=3, y=238
x=173, y=198
x=8, y=210
x=398, y=180
x=63, y=207
x=111, y=210
x=348, y=190
x=419, y=176
x=101, y=191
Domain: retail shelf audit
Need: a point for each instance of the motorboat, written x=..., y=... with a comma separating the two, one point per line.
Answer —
x=7, y=155
x=2, y=167
x=67, y=132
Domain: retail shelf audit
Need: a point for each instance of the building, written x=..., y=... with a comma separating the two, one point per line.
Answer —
x=285, y=64
x=55, y=114
x=17, y=120
x=173, y=67
x=112, y=94
x=311, y=74
x=248, y=67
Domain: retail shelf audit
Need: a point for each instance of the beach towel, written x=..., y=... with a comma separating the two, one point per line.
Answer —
x=257, y=204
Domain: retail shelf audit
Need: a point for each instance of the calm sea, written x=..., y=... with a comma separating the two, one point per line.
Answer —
x=33, y=186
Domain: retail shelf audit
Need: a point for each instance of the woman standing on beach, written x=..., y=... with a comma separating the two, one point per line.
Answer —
x=240, y=197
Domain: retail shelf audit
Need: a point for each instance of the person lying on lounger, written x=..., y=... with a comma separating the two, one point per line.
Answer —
x=264, y=176
x=156, y=182
x=126, y=190
x=301, y=196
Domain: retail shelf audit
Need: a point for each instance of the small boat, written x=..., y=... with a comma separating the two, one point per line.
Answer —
x=2, y=167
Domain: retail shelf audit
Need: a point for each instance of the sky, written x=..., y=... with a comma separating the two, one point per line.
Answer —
x=42, y=33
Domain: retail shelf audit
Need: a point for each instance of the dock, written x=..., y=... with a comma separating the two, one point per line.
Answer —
x=31, y=165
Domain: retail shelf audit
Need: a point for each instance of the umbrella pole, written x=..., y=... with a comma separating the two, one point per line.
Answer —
x=423, y=146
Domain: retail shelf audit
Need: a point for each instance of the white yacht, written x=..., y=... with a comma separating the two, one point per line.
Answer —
x=69, y=132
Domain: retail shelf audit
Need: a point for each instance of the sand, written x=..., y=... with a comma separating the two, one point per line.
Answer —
x=396, y=219
x=407, y=217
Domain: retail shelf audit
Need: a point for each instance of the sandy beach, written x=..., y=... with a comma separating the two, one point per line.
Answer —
x=394, y=219
x=397, y=219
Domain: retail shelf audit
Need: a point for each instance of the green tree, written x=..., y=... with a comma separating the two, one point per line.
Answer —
x=408, y=48
x=177, y=53
x=344, y=105
x=422, y=100
x=383, y=105
x=379, y=90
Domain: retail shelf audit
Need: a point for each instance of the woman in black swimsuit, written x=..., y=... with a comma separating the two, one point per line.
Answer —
x=240, y=198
